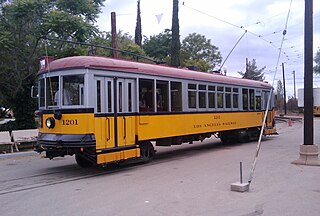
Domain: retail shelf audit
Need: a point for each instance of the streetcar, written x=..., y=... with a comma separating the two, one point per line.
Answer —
x=316, y=101
x=105, y=110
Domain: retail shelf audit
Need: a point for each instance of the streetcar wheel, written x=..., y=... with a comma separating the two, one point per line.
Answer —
x=225, y=138
x=147, y=151
x=83, y=161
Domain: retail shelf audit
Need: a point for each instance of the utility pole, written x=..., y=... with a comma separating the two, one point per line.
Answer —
x=309, y=152
x=284, y=91
x=308, y=73
x=294, y=84
x=114, y=35
x=246, y=65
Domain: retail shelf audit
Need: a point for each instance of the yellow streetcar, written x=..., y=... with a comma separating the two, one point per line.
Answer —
x=106, y=110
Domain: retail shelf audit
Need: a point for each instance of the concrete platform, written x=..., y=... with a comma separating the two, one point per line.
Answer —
x=309, y=155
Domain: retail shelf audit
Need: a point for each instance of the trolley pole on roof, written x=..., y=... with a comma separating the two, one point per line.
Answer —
x=114, y=35
x=309, y=152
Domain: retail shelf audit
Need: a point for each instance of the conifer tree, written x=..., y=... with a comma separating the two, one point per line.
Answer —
x=138, y=34
x=252, y=71
x=175, y=46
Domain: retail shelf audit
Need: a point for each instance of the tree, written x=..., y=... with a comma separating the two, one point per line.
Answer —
x=279, y=103
x=196, y=50
x=175, y=46
x=23, y=25
x=252, y=71
x=316, y=68
x=138, y=34
x=159, y=46
x=199, y=51
x=126, y=43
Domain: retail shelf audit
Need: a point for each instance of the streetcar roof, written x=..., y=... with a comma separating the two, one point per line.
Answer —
x=111, y=64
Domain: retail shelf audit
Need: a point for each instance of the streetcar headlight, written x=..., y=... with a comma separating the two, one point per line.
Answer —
x=50, y=123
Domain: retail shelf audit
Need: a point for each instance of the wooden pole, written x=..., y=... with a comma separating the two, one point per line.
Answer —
x=284, y=91
x=308, y=74
x=114, y=35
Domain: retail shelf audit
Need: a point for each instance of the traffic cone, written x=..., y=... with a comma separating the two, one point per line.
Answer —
x=289, y=122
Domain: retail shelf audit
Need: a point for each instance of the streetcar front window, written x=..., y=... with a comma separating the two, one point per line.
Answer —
x=52, y=87
x=53, y=95
x=73, y=90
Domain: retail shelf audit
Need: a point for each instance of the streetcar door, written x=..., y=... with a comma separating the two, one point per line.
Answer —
x=126, y=107
x=104, y=112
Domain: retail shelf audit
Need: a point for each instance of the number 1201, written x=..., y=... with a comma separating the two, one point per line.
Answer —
x=69, y=122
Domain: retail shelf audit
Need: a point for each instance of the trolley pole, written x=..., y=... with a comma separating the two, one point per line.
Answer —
x=284, y=91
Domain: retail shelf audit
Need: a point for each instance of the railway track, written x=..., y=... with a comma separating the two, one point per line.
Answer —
x=288, y=118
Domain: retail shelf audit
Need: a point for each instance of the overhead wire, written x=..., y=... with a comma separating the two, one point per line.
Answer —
x=244, y=28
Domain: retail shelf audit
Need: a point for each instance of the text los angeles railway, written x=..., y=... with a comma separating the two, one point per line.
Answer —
x=215, y=124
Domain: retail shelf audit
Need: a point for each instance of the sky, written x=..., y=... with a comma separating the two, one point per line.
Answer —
x=224, y=23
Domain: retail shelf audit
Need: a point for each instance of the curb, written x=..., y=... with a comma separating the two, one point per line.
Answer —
x=18, y=154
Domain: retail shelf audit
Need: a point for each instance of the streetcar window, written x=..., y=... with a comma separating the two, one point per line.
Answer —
x=98, y=96
x=228, y=100
x=212, y=96
x=202, y=100
x=120, y=96
x=176, y=96
x=235, y=101
x=202, y=96
x=212, y=100
x=258, y=102
x=146, y=97
x=220, y=100
x=52, y=94
x=235, y=97
x=220, y=96
x=245, y=99
x=129, y=97
x=73, y=90
x=192, y=86
x=251, y=92
x=202, y=87
x=266, y=98
x=192, y=99
x=192, y=96
x=109, y=96
x=220, y=88
x=212, y=88
x=42, y=93
x=162, y=96
x=228, y=97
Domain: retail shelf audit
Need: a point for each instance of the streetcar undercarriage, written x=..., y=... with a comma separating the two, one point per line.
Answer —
x=85, y=150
